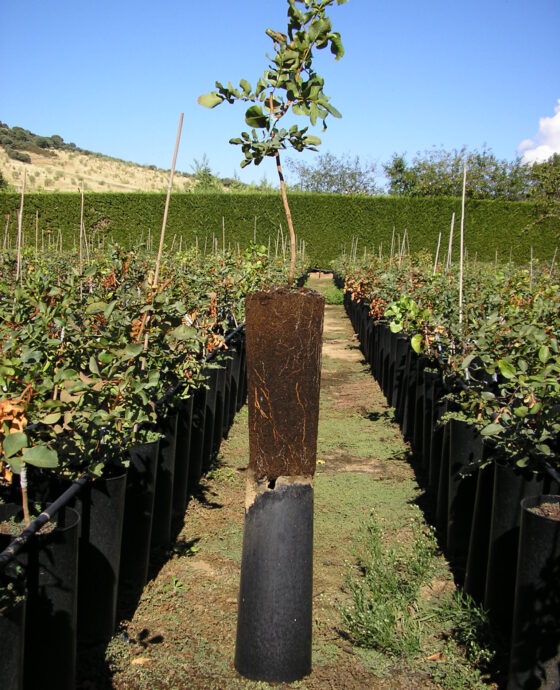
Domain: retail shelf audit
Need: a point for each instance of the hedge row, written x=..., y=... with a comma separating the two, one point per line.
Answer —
x=325, y=222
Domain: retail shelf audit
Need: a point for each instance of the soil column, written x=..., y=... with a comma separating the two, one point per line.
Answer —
x=284, y=338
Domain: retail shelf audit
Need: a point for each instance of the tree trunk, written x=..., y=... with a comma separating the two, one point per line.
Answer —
x=288, y=219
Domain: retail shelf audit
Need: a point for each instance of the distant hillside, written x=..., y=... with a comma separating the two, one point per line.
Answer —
x=54, y=165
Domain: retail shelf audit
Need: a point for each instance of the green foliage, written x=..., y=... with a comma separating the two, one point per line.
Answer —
x=440, y=173
x=16, y=155
x=289, y=84
x=385, y=600
x=206, y=180
x=325, y=222
x=331, y=174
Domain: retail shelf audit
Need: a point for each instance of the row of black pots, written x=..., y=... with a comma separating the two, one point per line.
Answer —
x=479, y=503
x=94, y=565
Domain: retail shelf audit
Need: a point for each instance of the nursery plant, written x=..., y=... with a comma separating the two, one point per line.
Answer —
x=289, y=85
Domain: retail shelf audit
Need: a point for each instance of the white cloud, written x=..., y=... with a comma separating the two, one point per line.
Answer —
x=546, y=142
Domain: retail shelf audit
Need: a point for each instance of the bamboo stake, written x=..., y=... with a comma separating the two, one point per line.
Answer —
x=36, y=232
x=223, y=235
x=450, y=248
x=380, y=250
x=531, y=277
x=437, y=253
x=169, y=187
x=461, y=259
x=269, y=246
x=20, y=225
x=255, y=231
x=392, y=244
x=5, y=243
x=553, y=260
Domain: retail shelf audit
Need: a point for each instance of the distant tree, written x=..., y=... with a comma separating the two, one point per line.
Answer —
x=440, y=173
x=546, y=179
x=57, y=141
x=206, y=180
x=3, y=183
x=545, y=192
x=335, y=175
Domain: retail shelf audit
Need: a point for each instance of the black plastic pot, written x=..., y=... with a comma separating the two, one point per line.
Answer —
x=197, y=436
x=102, y=511
x=442, y=506
x=418, y=429
x=273, y=638
x=438, y=431
x=511, y=486
x=235, y=350
x=163, y=504
x=210, y=419
x=401, y=350
x=228, y=364
x=465, y=454
x=220, y=407
x=477, y=560
x=535, y=649
x=430, y=376
x=409, y=406
x=12, y=619
x=51, y=563
x=137, y=524
x=182, y=456
x=12, y=635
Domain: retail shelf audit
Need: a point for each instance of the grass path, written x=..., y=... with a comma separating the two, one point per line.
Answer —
x=183, y=632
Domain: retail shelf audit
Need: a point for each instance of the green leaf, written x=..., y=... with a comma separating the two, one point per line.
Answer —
x=134, y=349
x=40, y=456
x=492, y=430
x=51, y=418
x=416, y=343
x=93, y=365
x=96, y=307
x=244, y=84
x=521, y=411
x=210, y=100
x=255, y=117
x=312, y=141
x=110, y=307
x=337, y=48
x=544, y=354
x=506, y=368
x=13, y=443
x=183, y=332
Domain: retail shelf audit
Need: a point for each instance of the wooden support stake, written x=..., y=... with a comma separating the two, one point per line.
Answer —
x=20, y=225
x=169, y=187
x=437, y=253
x=461, y=259
x=450, y=248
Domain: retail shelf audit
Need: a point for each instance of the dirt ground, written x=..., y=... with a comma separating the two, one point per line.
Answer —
x=182, y=634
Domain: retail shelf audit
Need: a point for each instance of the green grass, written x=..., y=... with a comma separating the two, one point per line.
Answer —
x=392, y=613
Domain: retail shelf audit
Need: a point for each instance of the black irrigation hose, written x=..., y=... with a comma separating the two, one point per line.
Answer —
x=21, y=540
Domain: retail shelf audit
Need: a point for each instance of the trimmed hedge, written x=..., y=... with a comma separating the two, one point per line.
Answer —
x=325, y=222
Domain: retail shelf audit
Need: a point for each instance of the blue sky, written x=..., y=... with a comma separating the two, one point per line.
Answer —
x=113, y=77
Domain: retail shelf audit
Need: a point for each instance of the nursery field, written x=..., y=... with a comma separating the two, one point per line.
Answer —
x=126, y=374
x=183, y=632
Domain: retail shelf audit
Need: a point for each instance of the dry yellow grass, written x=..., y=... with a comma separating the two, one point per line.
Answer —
x=64, y=171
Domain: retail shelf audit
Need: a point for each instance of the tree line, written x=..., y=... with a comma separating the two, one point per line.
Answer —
x=433, y=173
